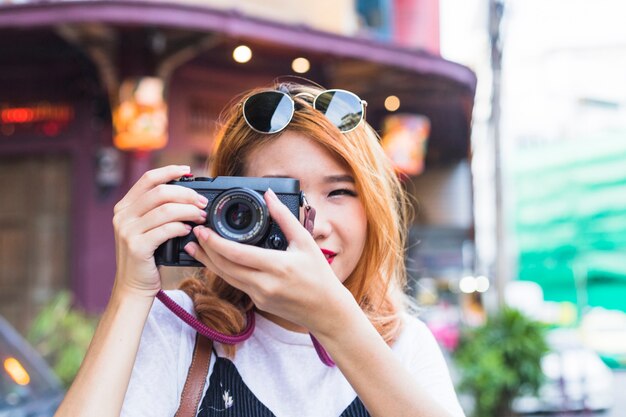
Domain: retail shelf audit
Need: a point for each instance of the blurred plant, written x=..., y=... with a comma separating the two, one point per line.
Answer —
x=62, y=335
x=501, y=360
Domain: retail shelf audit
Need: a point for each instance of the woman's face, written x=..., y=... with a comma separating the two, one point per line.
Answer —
x=340, y=222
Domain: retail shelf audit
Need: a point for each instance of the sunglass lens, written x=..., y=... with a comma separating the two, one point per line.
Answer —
x=343, y=108
x=269, y=111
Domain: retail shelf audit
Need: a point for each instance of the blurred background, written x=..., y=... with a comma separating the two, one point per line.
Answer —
x=505, y=119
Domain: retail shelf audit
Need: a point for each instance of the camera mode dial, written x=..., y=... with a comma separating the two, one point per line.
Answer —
x=276, y=241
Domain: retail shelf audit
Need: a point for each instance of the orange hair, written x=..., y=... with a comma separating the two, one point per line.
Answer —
x=379, y=276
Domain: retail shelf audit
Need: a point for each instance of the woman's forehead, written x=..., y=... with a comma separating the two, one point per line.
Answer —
x=294, y=152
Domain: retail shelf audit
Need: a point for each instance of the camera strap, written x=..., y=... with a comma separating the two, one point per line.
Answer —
x=309, y=214
x=309, y=223
x=202, y=328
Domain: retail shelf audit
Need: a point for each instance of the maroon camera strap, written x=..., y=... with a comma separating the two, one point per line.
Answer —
x=202, y=328
x=309, y=215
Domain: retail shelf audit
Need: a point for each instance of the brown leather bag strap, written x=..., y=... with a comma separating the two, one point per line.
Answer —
x=196, y=377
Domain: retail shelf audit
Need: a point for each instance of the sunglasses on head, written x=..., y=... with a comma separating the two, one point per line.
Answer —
x=271, y=111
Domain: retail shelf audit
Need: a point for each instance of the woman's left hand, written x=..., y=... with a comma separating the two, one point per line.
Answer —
x=297, y=284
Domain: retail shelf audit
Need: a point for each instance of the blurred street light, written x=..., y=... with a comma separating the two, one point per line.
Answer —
x=482, y=283
x=242, y=54
x=468, y=284
x=300, y=65
x=392, y=103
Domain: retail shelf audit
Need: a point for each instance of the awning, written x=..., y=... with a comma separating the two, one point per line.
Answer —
x=426, y=83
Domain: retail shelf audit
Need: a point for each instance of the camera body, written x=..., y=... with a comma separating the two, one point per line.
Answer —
x=236, y=211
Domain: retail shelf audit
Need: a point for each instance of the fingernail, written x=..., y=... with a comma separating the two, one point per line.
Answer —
x=185, y=168
x=202, y=232
x=202, y=200
x=190, y=248
x=271, y=194
x=188, y=227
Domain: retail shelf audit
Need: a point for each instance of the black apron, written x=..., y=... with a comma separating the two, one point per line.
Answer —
x=228, y=396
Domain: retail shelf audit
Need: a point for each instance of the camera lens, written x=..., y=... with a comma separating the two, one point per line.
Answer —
x=241, y=215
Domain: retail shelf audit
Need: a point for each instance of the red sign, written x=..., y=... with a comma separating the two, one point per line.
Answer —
x=48, y=119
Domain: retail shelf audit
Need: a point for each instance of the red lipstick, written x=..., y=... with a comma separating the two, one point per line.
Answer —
x=329, y=254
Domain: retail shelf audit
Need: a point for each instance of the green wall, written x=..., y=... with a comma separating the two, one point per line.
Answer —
x=570, y=218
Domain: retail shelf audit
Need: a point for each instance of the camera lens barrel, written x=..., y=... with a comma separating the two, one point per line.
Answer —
x=241, y=215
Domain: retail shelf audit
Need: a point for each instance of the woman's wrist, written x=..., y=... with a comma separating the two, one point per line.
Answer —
x=122, y=289
x=130, y=305
x=341, y=313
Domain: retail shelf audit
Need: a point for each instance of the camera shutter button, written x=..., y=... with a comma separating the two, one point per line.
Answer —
x=276, y=242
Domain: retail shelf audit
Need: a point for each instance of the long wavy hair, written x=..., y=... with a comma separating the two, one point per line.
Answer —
x=379, y=277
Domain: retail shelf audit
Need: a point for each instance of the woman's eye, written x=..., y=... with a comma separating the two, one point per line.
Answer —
x=343, y=191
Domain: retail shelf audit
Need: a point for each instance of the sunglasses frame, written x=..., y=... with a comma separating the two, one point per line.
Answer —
x=361, y=102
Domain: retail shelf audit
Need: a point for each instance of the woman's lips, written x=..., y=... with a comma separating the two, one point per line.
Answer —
x=329, y=254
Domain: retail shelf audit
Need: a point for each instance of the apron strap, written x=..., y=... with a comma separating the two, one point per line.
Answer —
x=196, y=377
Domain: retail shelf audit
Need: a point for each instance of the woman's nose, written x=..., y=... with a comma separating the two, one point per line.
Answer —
x=321, y=226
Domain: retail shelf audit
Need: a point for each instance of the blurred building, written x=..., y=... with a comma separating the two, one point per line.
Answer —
x=68, y=70
x=563, y=129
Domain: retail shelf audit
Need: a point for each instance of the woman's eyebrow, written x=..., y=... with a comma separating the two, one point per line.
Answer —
x=339, y=178
x=327, y=179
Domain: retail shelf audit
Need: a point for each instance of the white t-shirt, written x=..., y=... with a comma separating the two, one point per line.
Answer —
x=279, y=366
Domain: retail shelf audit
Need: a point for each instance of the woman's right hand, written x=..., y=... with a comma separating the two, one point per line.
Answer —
x=151, y=213
x=148, y=215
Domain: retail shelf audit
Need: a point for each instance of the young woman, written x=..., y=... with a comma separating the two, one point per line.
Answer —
x=342, y=283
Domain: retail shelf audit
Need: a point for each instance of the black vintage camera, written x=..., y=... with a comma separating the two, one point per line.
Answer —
x=236, y=211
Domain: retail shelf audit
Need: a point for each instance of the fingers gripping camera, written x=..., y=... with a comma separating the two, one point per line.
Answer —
x=236, y=211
